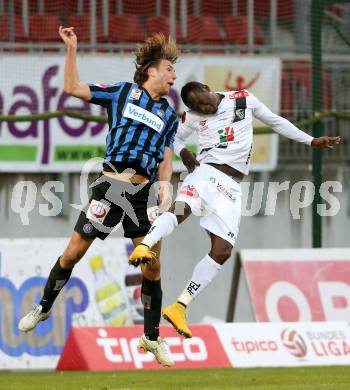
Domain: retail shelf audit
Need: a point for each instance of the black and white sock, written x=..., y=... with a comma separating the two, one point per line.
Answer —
x=56, y=281
x=203, y=274
x=151, y=296
x=161, y=227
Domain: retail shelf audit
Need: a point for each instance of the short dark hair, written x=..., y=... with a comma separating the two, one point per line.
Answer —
x=191, y=86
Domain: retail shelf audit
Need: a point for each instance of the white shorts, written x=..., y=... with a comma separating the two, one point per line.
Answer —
x=216, y=198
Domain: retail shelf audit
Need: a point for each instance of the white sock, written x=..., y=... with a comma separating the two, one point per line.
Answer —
x=203, y=274
x=161, y=227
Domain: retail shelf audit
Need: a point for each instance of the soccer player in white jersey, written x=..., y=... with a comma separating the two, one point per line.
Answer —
x=223, y=122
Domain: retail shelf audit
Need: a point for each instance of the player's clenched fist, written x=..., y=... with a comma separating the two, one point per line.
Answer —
x=68, y=36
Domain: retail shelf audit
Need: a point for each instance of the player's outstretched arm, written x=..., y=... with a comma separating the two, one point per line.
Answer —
x=72, y=84
x=287, y=129
x=325, y=142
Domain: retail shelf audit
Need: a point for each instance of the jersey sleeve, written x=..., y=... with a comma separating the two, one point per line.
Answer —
x=277, y=123
x=103, y=94
x=184, y=130
x=170, y=136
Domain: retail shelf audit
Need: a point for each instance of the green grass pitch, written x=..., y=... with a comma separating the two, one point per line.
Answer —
x=309, y=378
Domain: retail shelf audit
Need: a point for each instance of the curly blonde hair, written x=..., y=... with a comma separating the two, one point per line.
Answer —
x=155, y=49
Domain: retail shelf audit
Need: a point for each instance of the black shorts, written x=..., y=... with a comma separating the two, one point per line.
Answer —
x=116, y=203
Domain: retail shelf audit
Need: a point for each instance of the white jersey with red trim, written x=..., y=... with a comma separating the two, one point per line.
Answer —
x=226, y=137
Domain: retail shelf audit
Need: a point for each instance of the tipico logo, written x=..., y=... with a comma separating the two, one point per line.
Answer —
x=294, y=343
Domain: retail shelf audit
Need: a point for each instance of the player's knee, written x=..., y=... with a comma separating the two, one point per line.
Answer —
x=181, y=210
x=72, y=255
x=151, y=271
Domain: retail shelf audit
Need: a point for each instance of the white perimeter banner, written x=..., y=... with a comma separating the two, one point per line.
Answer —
x=298, y=284
x=217, y=345
x=34, y=84
x=289, y=344
x=24, y=267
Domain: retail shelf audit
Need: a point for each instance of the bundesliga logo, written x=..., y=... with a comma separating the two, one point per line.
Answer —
x=294, y=343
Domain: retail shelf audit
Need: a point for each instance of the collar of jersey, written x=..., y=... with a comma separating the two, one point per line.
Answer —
x=149, y=95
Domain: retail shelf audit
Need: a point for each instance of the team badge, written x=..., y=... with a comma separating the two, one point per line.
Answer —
x=88, y=228
x=203, y=124
x=160, y=113
x=238, y=115
x=135, y=94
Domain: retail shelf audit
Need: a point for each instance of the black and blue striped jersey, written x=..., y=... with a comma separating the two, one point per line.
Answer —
x=139, y=127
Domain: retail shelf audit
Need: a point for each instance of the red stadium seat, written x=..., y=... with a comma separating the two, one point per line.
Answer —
x=126, y=28
x=222, y=7
x=237, y=30
x=165, y=7
x=285, y=9
x=75, y=6
x=137, y=7
x=18, y=7
x=44, y=28
x=81, y=24
x=56, y=7
x=296, y=86
x=19, y=32
x=157, y=24
x=204, y=30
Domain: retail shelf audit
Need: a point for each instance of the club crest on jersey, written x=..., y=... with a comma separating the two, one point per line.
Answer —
x=238, y=115
x=203, y=124
x=135, y=94
x=160, y=113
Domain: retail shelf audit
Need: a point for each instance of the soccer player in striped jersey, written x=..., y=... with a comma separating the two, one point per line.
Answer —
x=142, y=127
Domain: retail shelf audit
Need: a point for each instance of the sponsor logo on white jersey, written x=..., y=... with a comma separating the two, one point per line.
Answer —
x=140, y=114
x=238, y=95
